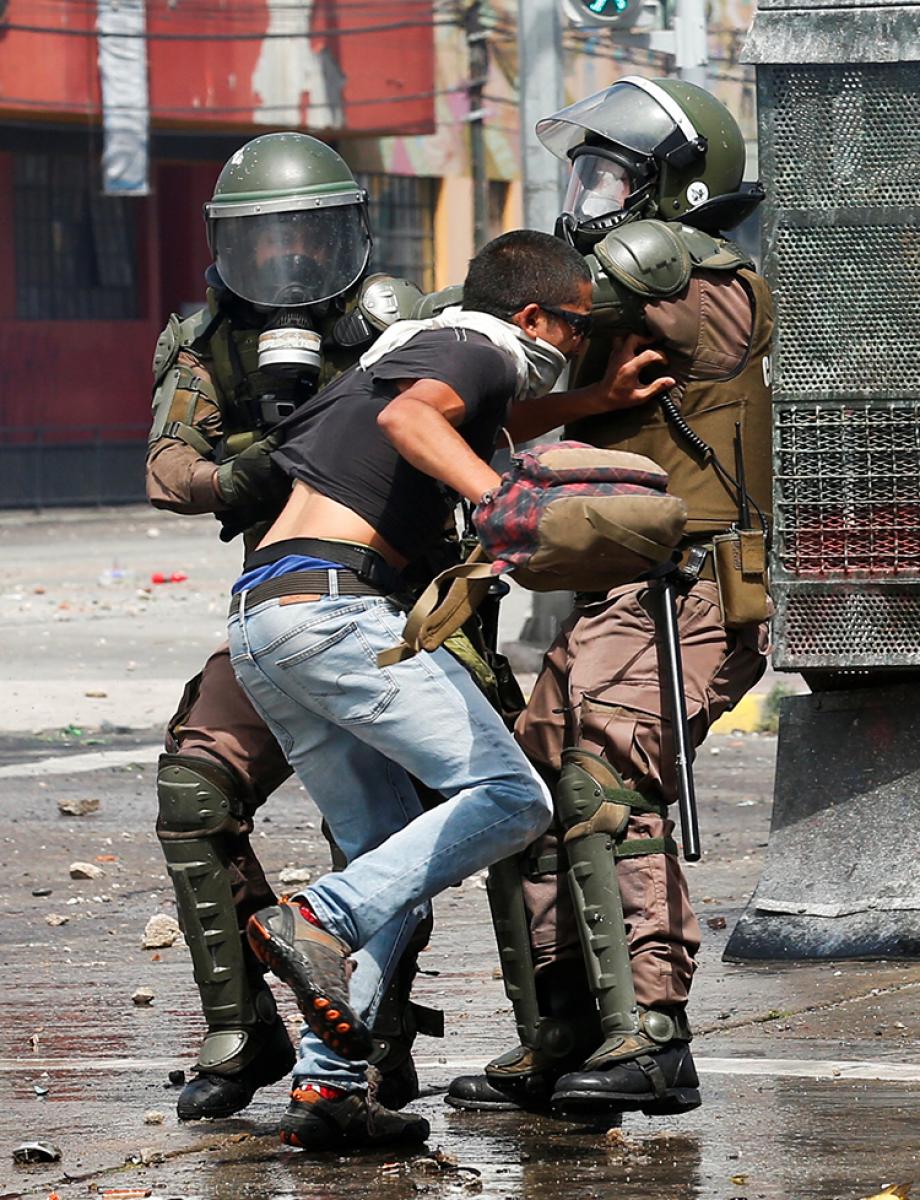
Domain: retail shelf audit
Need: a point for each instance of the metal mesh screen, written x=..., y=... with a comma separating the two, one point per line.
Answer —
x=848, y=487
x=840, y=151
x=845, y=329
x=849, y=625
x=845, y=136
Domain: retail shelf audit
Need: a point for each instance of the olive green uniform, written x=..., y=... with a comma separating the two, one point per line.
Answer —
x=600, y=688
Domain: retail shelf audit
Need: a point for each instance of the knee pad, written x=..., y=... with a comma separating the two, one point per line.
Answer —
x=196, y=798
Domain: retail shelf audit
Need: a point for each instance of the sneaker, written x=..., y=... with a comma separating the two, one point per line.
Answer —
x=211, y=1095
x=320, y=1117
x=659, y=1082
x=314, y=964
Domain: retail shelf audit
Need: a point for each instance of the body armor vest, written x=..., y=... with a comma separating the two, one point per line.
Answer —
x=232, y=356
x=711, y=408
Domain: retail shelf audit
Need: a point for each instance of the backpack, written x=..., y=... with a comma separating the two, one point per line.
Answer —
x=570, y=517
x=567, y=517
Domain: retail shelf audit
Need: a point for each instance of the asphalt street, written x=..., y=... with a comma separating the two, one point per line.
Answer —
x=810, y=1073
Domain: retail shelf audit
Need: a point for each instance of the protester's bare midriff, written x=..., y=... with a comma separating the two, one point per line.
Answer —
x=308, y=514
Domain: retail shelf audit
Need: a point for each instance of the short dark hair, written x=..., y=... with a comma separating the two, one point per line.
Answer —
x=523, y=267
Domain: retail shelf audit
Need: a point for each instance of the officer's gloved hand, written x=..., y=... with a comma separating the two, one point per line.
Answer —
x=251, y=478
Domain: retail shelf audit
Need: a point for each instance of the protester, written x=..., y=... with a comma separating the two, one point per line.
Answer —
x=379, y=458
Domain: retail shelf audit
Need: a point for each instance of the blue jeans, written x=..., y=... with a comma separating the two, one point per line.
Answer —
x=354, y=733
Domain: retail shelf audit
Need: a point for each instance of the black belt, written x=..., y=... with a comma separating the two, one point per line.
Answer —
x=305, y=583
x=366, y=563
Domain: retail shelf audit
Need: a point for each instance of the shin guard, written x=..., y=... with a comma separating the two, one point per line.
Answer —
x=593, y=807
x=198, y=807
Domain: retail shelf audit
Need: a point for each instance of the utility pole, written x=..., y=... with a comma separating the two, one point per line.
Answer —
x=478, y=64
x=691, y=53
x=540, y=93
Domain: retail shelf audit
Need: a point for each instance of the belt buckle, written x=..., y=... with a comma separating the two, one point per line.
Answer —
x=689, y=571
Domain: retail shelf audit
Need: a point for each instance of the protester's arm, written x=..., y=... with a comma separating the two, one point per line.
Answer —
x=619, y=388
x=420, y=424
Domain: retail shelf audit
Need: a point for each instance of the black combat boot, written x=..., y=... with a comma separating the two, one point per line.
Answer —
x=519, y=1078
x=525, y=1077
x=651, y=1071
x=267, y=1057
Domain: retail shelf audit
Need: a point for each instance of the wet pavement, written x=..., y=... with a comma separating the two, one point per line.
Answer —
x=810, y=1074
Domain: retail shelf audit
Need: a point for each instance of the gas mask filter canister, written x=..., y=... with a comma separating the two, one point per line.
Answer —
x=289, y=348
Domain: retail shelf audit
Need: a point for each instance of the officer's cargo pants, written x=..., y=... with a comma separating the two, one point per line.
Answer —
x=601, y=689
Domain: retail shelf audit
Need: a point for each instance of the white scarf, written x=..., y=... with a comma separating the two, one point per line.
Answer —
x=538, y=363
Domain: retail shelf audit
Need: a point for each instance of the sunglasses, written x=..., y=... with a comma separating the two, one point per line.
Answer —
x=581, y=323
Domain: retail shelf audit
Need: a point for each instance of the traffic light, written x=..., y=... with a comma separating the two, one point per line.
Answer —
x=596, y=14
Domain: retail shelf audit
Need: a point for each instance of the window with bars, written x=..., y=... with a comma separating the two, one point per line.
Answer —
x=75, y=248
x=402, y=209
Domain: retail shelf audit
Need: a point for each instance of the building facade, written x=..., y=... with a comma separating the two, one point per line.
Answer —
x=87, y=279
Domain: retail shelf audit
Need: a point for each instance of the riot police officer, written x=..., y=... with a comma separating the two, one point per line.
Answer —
x=599, y=979
x=289, y=305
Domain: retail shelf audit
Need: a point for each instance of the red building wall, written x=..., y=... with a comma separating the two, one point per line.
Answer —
x=65, y=375
x=203, y=61
x=73, y=382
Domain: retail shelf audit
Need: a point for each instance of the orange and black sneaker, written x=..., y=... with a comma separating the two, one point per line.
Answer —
x=290, y=941
x=321, y=1117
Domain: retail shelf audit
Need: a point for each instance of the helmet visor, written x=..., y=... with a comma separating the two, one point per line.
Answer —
x=598, y=187
x=626, y=114
x=291, y=258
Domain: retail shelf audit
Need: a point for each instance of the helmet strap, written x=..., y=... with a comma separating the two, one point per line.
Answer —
x=678, y=153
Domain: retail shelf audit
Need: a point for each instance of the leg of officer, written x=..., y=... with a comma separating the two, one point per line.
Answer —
x=623, y=714
x=222, y=763
x=599, y=690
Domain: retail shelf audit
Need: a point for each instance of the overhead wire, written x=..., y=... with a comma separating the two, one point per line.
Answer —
x=498, y=26
x=248, y=36
x=235, y=11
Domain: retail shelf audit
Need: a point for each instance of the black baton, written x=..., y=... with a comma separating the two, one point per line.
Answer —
x=686, y=794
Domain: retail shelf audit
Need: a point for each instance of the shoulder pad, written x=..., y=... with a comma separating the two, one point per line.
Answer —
x=712, y=253
x=192, y=326
x=433, y=303
x=179, y=332
x=167, y=348
x=384, y=299
x=648, y=257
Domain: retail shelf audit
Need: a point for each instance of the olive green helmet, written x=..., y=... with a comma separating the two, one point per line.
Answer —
x=641, y=148
x=287, y=224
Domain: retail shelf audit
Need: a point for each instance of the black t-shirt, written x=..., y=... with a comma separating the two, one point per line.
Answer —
x=334, y=444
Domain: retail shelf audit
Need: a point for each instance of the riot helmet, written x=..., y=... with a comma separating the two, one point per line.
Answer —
x=641, y=148
x=287, y=224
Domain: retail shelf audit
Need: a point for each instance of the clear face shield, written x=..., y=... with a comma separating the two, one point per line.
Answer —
x=598, y=187
x=290, y=258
